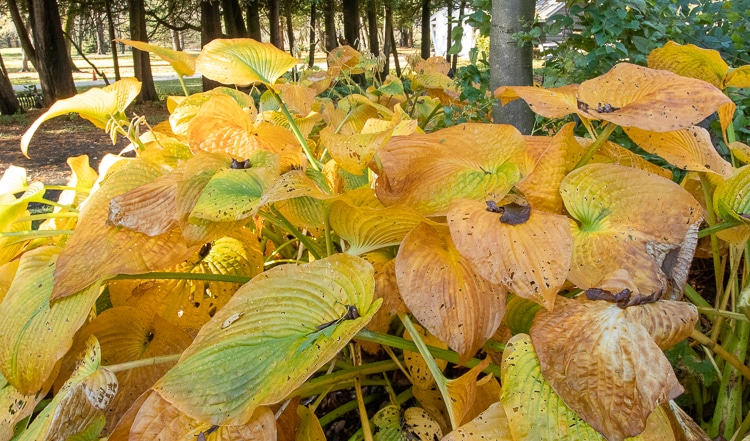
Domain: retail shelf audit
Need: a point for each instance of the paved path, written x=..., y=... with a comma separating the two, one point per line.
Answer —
x=99, y=83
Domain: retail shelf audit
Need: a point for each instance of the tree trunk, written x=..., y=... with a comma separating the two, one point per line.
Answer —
x=394, y=47
x=101, y=40
x=511, y=64
x=23, y=34
x=351, y=22
x=313, y=42
x=289, y=25
x=8, y=101
x=387, y=30
x=273, y=27
x=233, y=24
x=176, y=42
x=112, y=36
x=372, y=24
x=253, y=19
x=70, y=18
x=425, y=49
x=141, y=60
x=329, y=22
x=449, y=20
x=54, y=68
x=210, y=30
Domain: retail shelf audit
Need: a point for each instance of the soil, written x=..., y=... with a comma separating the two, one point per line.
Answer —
x=60, y=138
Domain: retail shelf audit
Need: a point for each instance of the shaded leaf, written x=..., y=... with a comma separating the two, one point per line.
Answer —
x=386, y=288
x=16, y=405
x=353, y=152
x=309, y=428
x=243, y=61
x=276, y=318
x=426, y=173
x=37, y=333
x=232, y=194
x=689, y=149
x=531, y=259
x=445, y=292
x=391, y=424
x=628, y=210
x=491, y=425
x=608, y=360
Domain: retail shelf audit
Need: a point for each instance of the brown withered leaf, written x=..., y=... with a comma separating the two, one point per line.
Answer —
x=531, y=259
x=606, y=366
x=426, y=173
x=444, y=291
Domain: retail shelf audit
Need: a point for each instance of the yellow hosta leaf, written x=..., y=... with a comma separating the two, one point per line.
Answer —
x=128, y=334
x=243, y=61
x=344, y=59
x=491, y=424
x=740, y=151
x=386, y=288
x=189, y=107
x=309, y=428
x=738, y=77
x=554, y=159
x=426, y=173
x=623, y=216
x=549, y=103
x=16, y=406
x=90, y=252
x=290, y=321
x=656, y=100
x=368, y=229
x=611, y=153
x=534, y=411
x=341, y=181
x=690, y=61
x=232, y=194
x=189, y=304
x=157, y=419
x=13, y=181
x=297, y=98
x=349, y=117
x=35, y=332
x=393, y=424
x=608, y=359
x=530, y=259
x=353, y=152
x=80, y=402
x=445, y=292
x=305, y=124
x=95, y=105
x=431, y=64
x=182, y=62
x=420, y=374
x=689, y=149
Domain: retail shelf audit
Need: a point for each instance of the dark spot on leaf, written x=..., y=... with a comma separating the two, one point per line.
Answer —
x=205, y=249
x=515, y=214
x=240, y=165
x=606, y=108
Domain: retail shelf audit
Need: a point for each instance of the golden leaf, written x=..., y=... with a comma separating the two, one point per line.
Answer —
x=243, y=61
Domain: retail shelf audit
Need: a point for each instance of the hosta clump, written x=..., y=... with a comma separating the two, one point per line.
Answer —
x=256, y=252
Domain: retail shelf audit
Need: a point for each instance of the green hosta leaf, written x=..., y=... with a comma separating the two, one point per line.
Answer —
x=243, y=61
x=248, y=354
x=534, y=410
x=414, y=424
x=182, y=62
x=232, y=194
x=96, y=105
x=80, y=403
x=368, y=229
x=35, y=334
x=520, y=313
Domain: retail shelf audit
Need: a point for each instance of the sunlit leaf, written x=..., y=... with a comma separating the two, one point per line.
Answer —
x=341, y=181
x=393, y=424
x=14, y=180
x=11, y=208
x=81, y=401
x=621, y=215
x=278, y=320
x=534, y=411
x=349, y=117
x=35, y=333
x=189, y=107
x=344, y=59
x=243, y=61
x=297, y=98
x=611, y=153
x=549, y=103
x=689, y=149
x=182, y=62
x=531, y=259
x=367, y=229
x=128, y=334
x=95, y=105
x=189, y=304
x=607, y=359
x=353, y=152
x=690, y=61
x=445, y=292
x=738, y=77
x=306, y=124
x=426, y=172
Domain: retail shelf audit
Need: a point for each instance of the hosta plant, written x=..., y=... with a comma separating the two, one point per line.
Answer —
x=262, y=256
